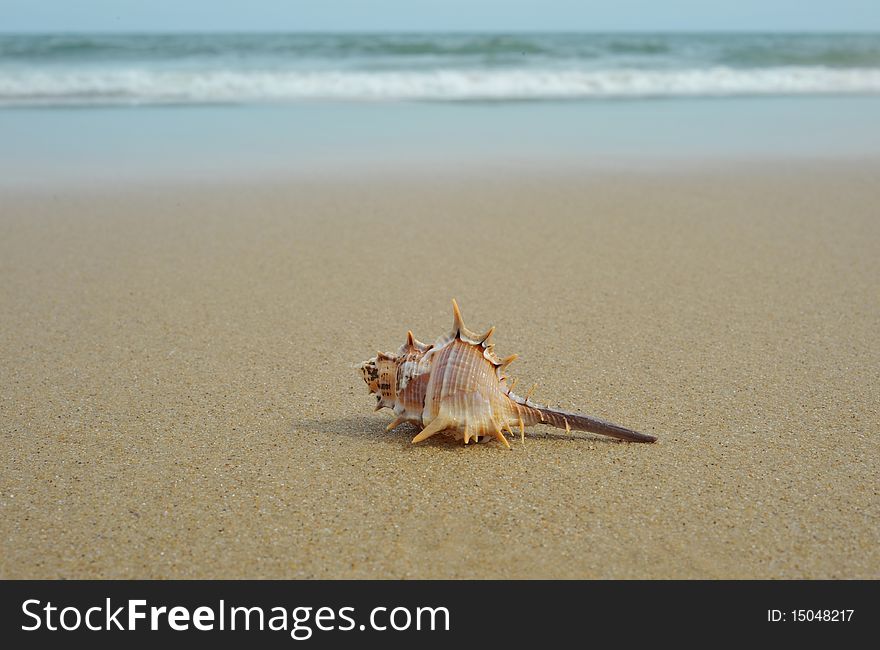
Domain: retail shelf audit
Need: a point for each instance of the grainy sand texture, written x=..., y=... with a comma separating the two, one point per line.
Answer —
x=180, y=396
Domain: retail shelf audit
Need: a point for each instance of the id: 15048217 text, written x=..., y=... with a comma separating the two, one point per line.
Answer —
x=810, y=615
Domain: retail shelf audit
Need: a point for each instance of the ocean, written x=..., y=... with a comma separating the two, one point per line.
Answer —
x=101, y=108
x=205, y=69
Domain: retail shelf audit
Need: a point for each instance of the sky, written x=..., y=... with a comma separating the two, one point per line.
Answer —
x=439, y=15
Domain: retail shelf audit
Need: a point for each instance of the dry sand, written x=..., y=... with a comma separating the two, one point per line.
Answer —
x=179, y=398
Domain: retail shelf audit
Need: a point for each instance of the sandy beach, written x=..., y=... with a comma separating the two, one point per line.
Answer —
x=180, y=396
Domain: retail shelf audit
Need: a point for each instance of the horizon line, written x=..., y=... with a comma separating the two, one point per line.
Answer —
x=134, y=32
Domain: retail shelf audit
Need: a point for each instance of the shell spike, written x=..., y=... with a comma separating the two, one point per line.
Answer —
x=487, y=337
x=500, y=436
x=436, y=426
x=397, y=422
x=411, y=345
x=506, y=361
x=458, y=322
x=460, y=331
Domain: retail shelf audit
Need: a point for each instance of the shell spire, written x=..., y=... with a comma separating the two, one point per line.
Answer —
x=457, y=385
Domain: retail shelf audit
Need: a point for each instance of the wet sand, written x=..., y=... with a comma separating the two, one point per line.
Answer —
x=179, y=394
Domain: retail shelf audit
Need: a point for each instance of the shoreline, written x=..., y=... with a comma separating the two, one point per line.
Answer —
x=135, y=145
x=450, y=173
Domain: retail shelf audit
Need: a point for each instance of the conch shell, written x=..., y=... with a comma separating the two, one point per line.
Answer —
x=458, y=385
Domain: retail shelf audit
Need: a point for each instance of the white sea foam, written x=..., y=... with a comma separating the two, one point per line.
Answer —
x=87, y=85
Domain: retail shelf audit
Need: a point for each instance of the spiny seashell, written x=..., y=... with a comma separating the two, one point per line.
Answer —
x=458, y=385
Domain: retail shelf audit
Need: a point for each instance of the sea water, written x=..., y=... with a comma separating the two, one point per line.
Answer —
x=246, y=68
x=110, y=106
